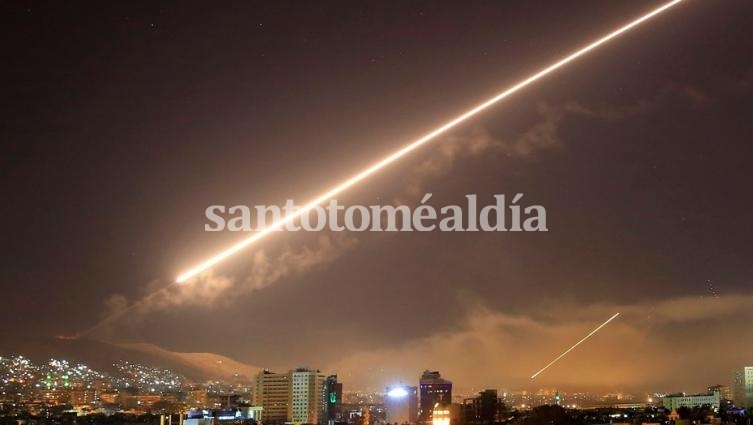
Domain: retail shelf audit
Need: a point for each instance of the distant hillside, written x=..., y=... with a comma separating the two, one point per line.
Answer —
x=100, y=355
x=207, y=364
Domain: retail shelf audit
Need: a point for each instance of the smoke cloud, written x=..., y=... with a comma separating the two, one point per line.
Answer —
x=641, y=350
x=264, y=270
x=543, y=135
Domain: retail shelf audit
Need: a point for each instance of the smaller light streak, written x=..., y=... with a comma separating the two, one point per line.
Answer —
x=576, y=344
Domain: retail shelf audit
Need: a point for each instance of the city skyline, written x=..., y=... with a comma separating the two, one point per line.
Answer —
x=58, y=373
x=56, y=388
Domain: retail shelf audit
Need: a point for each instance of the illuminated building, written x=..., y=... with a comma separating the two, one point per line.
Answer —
x=82, y=398
x=433, y=390
x=682, y=400
x=56, y=397
x=109, y=397
x=440, y=415
x=333, y=398
x=142, y=402
x=744, y=387
x=401, y=405
x=272, y=393
x=198, y=398
x=251, y=412
x=307, y=396
x=296, y=396
x=725, y=392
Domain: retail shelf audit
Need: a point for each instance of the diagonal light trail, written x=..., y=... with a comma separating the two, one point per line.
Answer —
x=573, y=347
x=431, y=136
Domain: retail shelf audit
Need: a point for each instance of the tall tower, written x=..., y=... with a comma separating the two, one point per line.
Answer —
x=744, y=387
x=434, y=390
x=272, y=393
x=333, y=397
x=296, y=396
x=307, y=396
x=401, y=405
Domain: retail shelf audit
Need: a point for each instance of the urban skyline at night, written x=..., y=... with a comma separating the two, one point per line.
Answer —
x=516, y=212
x=275, y=397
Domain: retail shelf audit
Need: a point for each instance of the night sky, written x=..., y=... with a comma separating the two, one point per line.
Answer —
x=121, y=123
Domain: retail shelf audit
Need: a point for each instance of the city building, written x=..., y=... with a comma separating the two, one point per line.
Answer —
x=456, y=413
x=83, y=398
x=744, y=387
x=297, y=396
x=251, y=412
x=307, y=397
x=486, y=408
x=434, y=391
x=441, y=415
x=676, y=401
x=272, y=393
x=401, y=405
x=725, y=392
x=197, y=417
x=333, y=398
x=198, y=398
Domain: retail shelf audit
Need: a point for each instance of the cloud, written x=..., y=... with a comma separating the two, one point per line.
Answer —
x=540, y=136
x=673, y=93
x=543, y=135
x=265, y=269
x=646, y=348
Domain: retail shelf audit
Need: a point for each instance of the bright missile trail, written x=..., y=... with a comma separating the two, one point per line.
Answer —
x=573, y=347
x=431, y=136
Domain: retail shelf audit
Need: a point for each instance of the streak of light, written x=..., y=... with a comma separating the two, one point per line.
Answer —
x=573, y=347
x=417, y=143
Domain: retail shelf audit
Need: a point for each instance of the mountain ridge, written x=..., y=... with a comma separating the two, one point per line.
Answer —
x=100, y=355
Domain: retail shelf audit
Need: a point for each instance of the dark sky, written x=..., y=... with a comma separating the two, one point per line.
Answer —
x=122, y=122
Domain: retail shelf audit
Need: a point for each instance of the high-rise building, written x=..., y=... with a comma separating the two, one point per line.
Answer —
x=272, y=393
x=434, y=390
x=297, y=396
x=333, y=398
x=744, y=387
x=401, y=405
x=307, y=396
x=80, y=398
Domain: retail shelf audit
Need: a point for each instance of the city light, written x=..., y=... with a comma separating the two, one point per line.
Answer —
x=398, y=392
x=440, y=416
